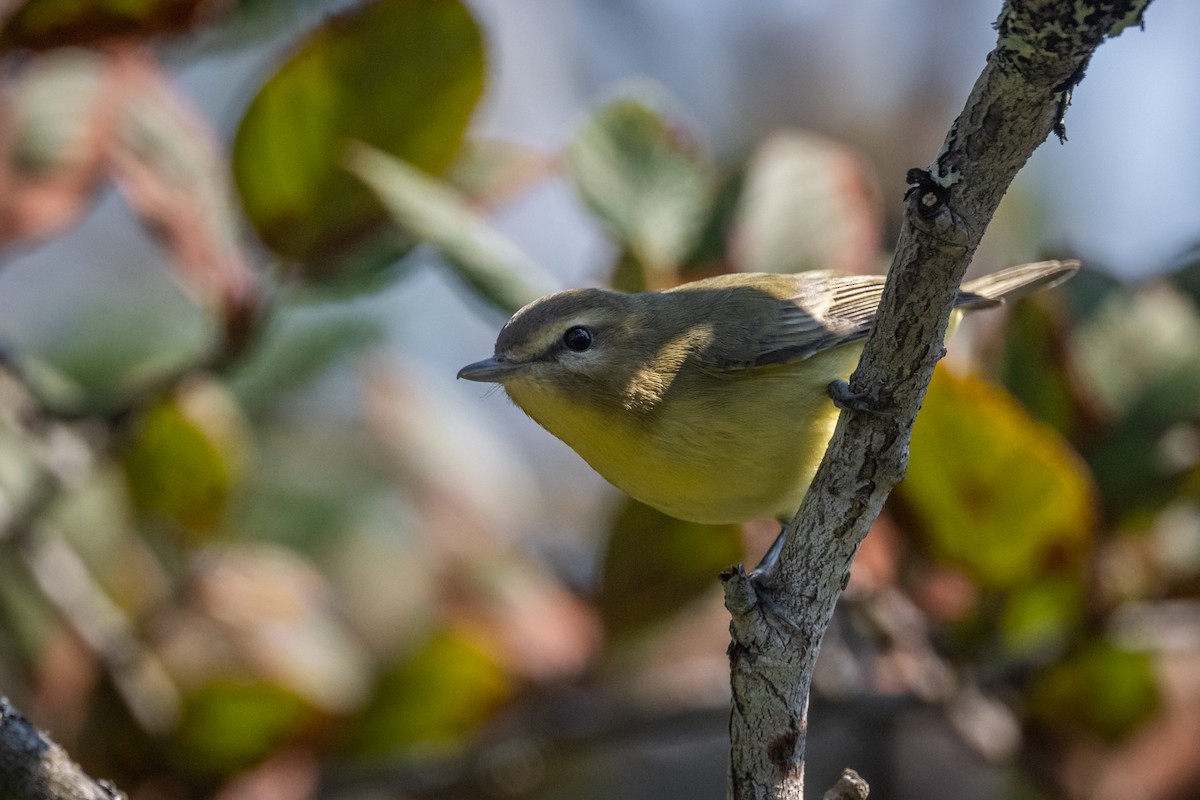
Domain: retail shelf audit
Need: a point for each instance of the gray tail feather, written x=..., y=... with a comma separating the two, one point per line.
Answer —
x=1014, y=282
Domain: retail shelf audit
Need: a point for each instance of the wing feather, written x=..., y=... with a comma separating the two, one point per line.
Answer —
x=782, y=319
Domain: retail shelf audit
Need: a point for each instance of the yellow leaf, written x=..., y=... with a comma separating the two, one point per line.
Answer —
x=997, y=493
x=185, y=454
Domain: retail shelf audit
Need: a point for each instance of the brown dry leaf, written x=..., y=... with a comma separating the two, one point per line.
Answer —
x=265, y=612
x=165, y=159
x=67, y=672
x=73, y=119
x=53, y=139
x=533, y=625
x=491, y=172
x=293, y=774
x=48, y=24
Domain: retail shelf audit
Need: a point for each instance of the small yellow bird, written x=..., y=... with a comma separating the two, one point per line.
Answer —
x=709, y=401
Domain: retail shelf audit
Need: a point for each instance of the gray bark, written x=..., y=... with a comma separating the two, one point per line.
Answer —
x=34, y=768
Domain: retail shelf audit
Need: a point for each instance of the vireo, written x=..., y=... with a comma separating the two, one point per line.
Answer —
x=708, y=401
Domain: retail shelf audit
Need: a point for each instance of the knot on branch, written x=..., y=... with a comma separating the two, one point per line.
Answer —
x=930, y=195
x=756, y=621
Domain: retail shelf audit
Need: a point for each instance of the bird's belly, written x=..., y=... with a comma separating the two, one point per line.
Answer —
x=728, y=451
x=720, y=475
x=750, y=462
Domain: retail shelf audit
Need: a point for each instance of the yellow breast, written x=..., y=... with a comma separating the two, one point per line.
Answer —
x=724, y=448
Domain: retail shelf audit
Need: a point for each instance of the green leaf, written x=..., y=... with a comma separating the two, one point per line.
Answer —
x=997, y=493
x=184, y=457
x=400, y=75
x=655, y=565
x=646, y=179
x=230, y=725
x=711, y=251
x=1041, y=615
x=1102, y=689
x=1134, y=463
x=1034, y=367
x=1185, y=274
x=1139, y=358
x=431, y=211
x=442, y=692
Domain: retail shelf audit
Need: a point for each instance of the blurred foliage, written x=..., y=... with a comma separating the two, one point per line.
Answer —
x=997, y=494
x=655, y=564
x=491, y=265
x=235, y=548
x=649, y=182
x=1103, y=689
x=63, y=23
x=185, y=455
x=400, y=76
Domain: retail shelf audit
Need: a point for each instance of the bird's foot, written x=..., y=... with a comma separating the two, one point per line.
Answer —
x=846, y=398
x=762, y=585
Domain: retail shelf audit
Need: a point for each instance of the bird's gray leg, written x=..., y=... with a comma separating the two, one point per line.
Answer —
x=762, y=573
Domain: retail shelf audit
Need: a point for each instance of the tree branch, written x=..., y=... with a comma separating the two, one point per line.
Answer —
x=1042, y=50
x=34, y=768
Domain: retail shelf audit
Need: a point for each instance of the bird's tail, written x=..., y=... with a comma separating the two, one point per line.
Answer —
x=1014, y=282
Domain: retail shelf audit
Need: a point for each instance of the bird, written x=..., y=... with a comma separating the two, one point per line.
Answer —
x=709, y=401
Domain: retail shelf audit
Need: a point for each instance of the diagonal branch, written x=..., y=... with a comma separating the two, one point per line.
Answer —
x=34, y=768
x=1019, y=99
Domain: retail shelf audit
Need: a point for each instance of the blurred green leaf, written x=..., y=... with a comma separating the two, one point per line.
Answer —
x=1034, y=367
x=1134, y=468
x=42, y=24
x=646, y=179
x=184, y=456
x=1088, y=292
x=400, y=75
x=230, y=725
x=435, y=697
x=655, y=564
x=27, y=619
x=1102, y=689
x=1139, y=357
x=1134, y=341
x=372, y=265
x=997, y=494
x=298, y=345
x=711, y=250
x=1041, y=615
x=1185, y=273
x=808, y=202
x=430, y=210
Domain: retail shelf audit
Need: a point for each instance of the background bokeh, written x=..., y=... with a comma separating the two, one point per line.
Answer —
x=255, y=541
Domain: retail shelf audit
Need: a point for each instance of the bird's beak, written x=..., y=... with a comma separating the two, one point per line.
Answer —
x=490, y=370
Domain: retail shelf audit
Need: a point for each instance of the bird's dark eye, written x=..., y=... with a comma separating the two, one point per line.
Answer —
x=577, y=338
